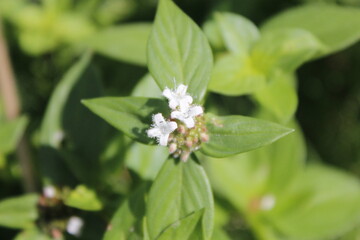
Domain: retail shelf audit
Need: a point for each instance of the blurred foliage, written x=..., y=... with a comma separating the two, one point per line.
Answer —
x=274, y=60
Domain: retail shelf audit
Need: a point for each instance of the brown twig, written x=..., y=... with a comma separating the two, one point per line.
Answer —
x=8, y=91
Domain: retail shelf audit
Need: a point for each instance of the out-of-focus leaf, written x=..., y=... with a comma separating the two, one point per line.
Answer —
x=146, y=87
x=235, y=75
x=285, y=49
x=183, y=228
x=279, y=96
x=32, y=233
x=236, y=134
x=238, y=33
x=124, y=42
x=146, y=160
x=331, y=210
x=83, y=198
x=131, y=115
x=178, y=52
x=18, y=212
x=126, y=224
x=335, y=26
x=10, y=133
x=65, y=141
x=179, y=189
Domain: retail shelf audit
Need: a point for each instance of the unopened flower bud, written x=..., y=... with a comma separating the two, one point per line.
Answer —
x=172, y=148
x=184, y=156
x=181, y=129
x=189, y=142
x=204, y=137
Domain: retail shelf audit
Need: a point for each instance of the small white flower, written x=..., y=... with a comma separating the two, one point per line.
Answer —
x=161, y=129
x=49, y=191
x=187, y=115
x=179, y=97
x=74, y=226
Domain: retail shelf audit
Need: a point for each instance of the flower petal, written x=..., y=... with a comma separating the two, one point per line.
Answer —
x=158, y=119
x=167, y=93
x=154, y=132
x=189, y=122
x=195, y=111
x=164, y=139
x=181, y=90
x=178, y=115
x=173, y=126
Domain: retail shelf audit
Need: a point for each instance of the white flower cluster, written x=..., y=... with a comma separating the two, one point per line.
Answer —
x=182, y=109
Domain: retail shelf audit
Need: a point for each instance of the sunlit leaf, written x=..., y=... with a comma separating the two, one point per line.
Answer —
x=18, y=212
x=335, y=26
x=10, y=134
x=179, y=189
x=236, y=134
x=178, y=52
x=125, y=42
x=83, y=198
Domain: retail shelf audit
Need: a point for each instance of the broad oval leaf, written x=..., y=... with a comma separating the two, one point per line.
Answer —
x=178, y=52
x=236, y=134
x=183, y=228
x=279, y=97
x=131, y=115
x=19, y=212
x=335, y=26
x=286, y=49
x=235, y=75
x=124, y=42
x=179, y=189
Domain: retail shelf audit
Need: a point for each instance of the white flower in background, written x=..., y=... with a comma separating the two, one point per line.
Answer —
x=49, y=191
x=187, y=115
x=179, y=97
x=267, y=202
x=74, y=226
x=161, y=129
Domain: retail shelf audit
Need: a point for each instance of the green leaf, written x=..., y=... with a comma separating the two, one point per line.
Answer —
x=279, y=96
x=183, y=228
x=146, y=160
x=286, y=49
x=83, y=198
x=336, y=27
x=238, y=33
x=179, y=189
x=235, y=75
x=64, y=135
x=331, y=210
x=125, y=42
x=236, y=134
x=18, y=212
x=31, y=234
x=131, y=115
x=10, y=134
x=126, y=222
x=146, y=87
x=178, y=52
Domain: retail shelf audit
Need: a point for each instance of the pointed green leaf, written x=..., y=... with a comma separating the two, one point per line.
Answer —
x=126, y=222
x=279, y=96
x=336, y=27
x=10, y=134
x=131, y=115
x=182, y=229
x=179, y=189
x=236, y=134
x=178, y=52
x=285, y=49
x=238, y=33
x=124, y=42
x=83, y=198
x=19, y=212
x=235, y=75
